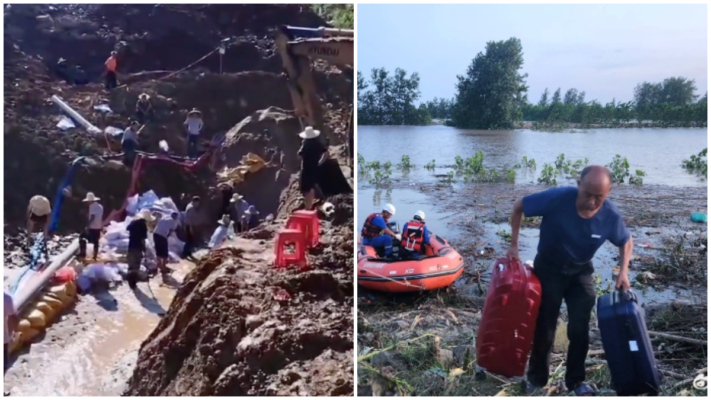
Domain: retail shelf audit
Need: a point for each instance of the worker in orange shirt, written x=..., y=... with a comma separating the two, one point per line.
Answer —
x=111, y=65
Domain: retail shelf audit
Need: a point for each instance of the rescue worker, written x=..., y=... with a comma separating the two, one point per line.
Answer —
x=313, y=153
x=92, y=233
x=415, y=235
x=194, y=125
x=576, y=222
x=376, y=232
x=111, y=65
x=38, y=216
x=137, y=235
x=251, y=217
x=164, y=228
x=129, y=143
x=144, y=108
x=11, y=323
x=191, y=224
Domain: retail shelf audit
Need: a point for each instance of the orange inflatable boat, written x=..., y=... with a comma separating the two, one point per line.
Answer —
x=439, y=267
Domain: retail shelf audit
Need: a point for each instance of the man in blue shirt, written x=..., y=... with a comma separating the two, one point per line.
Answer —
x=375, y=231
x=415, y=235
x=575, y=223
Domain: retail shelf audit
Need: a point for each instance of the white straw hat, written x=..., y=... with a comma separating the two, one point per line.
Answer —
x=90, y=198
x=309, y=133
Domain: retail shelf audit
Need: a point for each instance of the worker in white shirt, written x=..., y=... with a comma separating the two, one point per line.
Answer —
x=93, y=231
x=194, y=125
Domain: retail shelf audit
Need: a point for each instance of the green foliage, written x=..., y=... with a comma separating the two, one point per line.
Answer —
x=636, y=179
x=440, y=108
x=430, y=165
x=449, y=179
x=671, y=103
x=511, y=175
x=548, y=174
x=390, y=99
x=620, y=169
x=696, y=163
x=405, y=163
x=337, y=15
x=526, y=164
x=489, y=95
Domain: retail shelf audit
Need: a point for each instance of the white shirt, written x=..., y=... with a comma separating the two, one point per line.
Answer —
x=97, y=210
x=165, y=226
x=129, y=134
x=194, y=125
x=9, y=310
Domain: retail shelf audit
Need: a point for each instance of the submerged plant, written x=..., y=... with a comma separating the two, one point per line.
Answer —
x=548, y=174
x=696, y=163
x=430, y=165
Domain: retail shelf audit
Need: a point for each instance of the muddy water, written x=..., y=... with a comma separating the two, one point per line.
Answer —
x=658, y=152
x=451, y=210
x=92, y=350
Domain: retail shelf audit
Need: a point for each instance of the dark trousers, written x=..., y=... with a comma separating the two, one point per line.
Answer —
x=578, y=290
x=92, y=236
x=111, y=81
x=192, y=145
x=129, y=152
x=189, y=242
x=6, y=356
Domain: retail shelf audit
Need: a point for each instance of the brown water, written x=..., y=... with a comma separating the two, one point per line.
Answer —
x=658, y=152
x=92, y=350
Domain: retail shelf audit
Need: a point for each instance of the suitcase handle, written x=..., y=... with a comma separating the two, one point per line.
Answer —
x=627, y=295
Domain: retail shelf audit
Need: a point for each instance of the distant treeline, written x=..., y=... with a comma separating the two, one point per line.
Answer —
x=493, y=95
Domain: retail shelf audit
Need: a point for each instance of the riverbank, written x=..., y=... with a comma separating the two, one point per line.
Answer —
x=668, y=272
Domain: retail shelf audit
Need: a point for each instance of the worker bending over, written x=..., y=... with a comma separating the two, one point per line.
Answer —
x=375, y=231
x=38, y=217
x=137, y=235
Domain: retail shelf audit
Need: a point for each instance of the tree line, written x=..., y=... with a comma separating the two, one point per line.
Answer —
x=492, y=94
x=389, y=99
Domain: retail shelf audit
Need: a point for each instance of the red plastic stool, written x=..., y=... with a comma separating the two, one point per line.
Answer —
x=306, y=221
x=290, y=236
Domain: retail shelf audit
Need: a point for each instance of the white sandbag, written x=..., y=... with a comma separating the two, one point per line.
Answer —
x=102, y=272
x=219, y=236
x=66, y=123
x=132, y=205
x=147, y=200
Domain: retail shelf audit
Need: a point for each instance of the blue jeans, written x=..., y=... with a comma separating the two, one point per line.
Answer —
x=381, y=241
x=129, y=151
x=192, y=145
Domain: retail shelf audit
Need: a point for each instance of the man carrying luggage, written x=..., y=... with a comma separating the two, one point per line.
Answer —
x=415, y=235
x=576, y=222
x=375, y=231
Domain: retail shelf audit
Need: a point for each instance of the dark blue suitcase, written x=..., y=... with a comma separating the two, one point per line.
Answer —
x=628, y=350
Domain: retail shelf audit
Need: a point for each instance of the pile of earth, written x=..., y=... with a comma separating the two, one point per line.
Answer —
x=239, y=327
x=225, y=99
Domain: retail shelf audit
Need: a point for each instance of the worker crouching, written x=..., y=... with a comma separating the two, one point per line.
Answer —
x=144, y=108
x=376, y=232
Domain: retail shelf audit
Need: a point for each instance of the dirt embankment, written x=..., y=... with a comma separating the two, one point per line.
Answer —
x=239, y=327
x=148, y=38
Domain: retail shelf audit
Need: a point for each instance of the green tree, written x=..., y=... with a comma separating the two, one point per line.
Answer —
x=490, y=94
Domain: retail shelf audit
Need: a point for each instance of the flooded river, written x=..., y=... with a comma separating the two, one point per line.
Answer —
x=658, y=152
x=463, y=213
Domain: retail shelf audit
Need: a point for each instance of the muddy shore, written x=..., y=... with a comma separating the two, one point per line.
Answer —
x=668, y=271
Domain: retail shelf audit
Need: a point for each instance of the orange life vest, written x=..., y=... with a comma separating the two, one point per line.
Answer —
x=412, y=238
x=369, y=230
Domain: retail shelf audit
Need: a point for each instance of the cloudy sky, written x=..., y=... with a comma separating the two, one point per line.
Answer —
x=604, y=50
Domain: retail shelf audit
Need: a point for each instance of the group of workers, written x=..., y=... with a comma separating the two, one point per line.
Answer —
x=576, y=222
x=144, y=112
x=39, y=215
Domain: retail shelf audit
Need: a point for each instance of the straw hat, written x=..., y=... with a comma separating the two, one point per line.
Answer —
x=113, y=53
x=134, y=123
x=40, y=205
x=144, y=96
x=309, y=133
x=236, y=197
x=145, y=214
x=195, y=111
x=90, y=198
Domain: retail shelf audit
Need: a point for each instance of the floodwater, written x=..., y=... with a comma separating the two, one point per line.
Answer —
x=92, y=350
x=658, y=152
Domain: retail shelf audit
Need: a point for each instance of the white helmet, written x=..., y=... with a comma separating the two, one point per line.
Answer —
x=420, y=215
x=389, y=208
